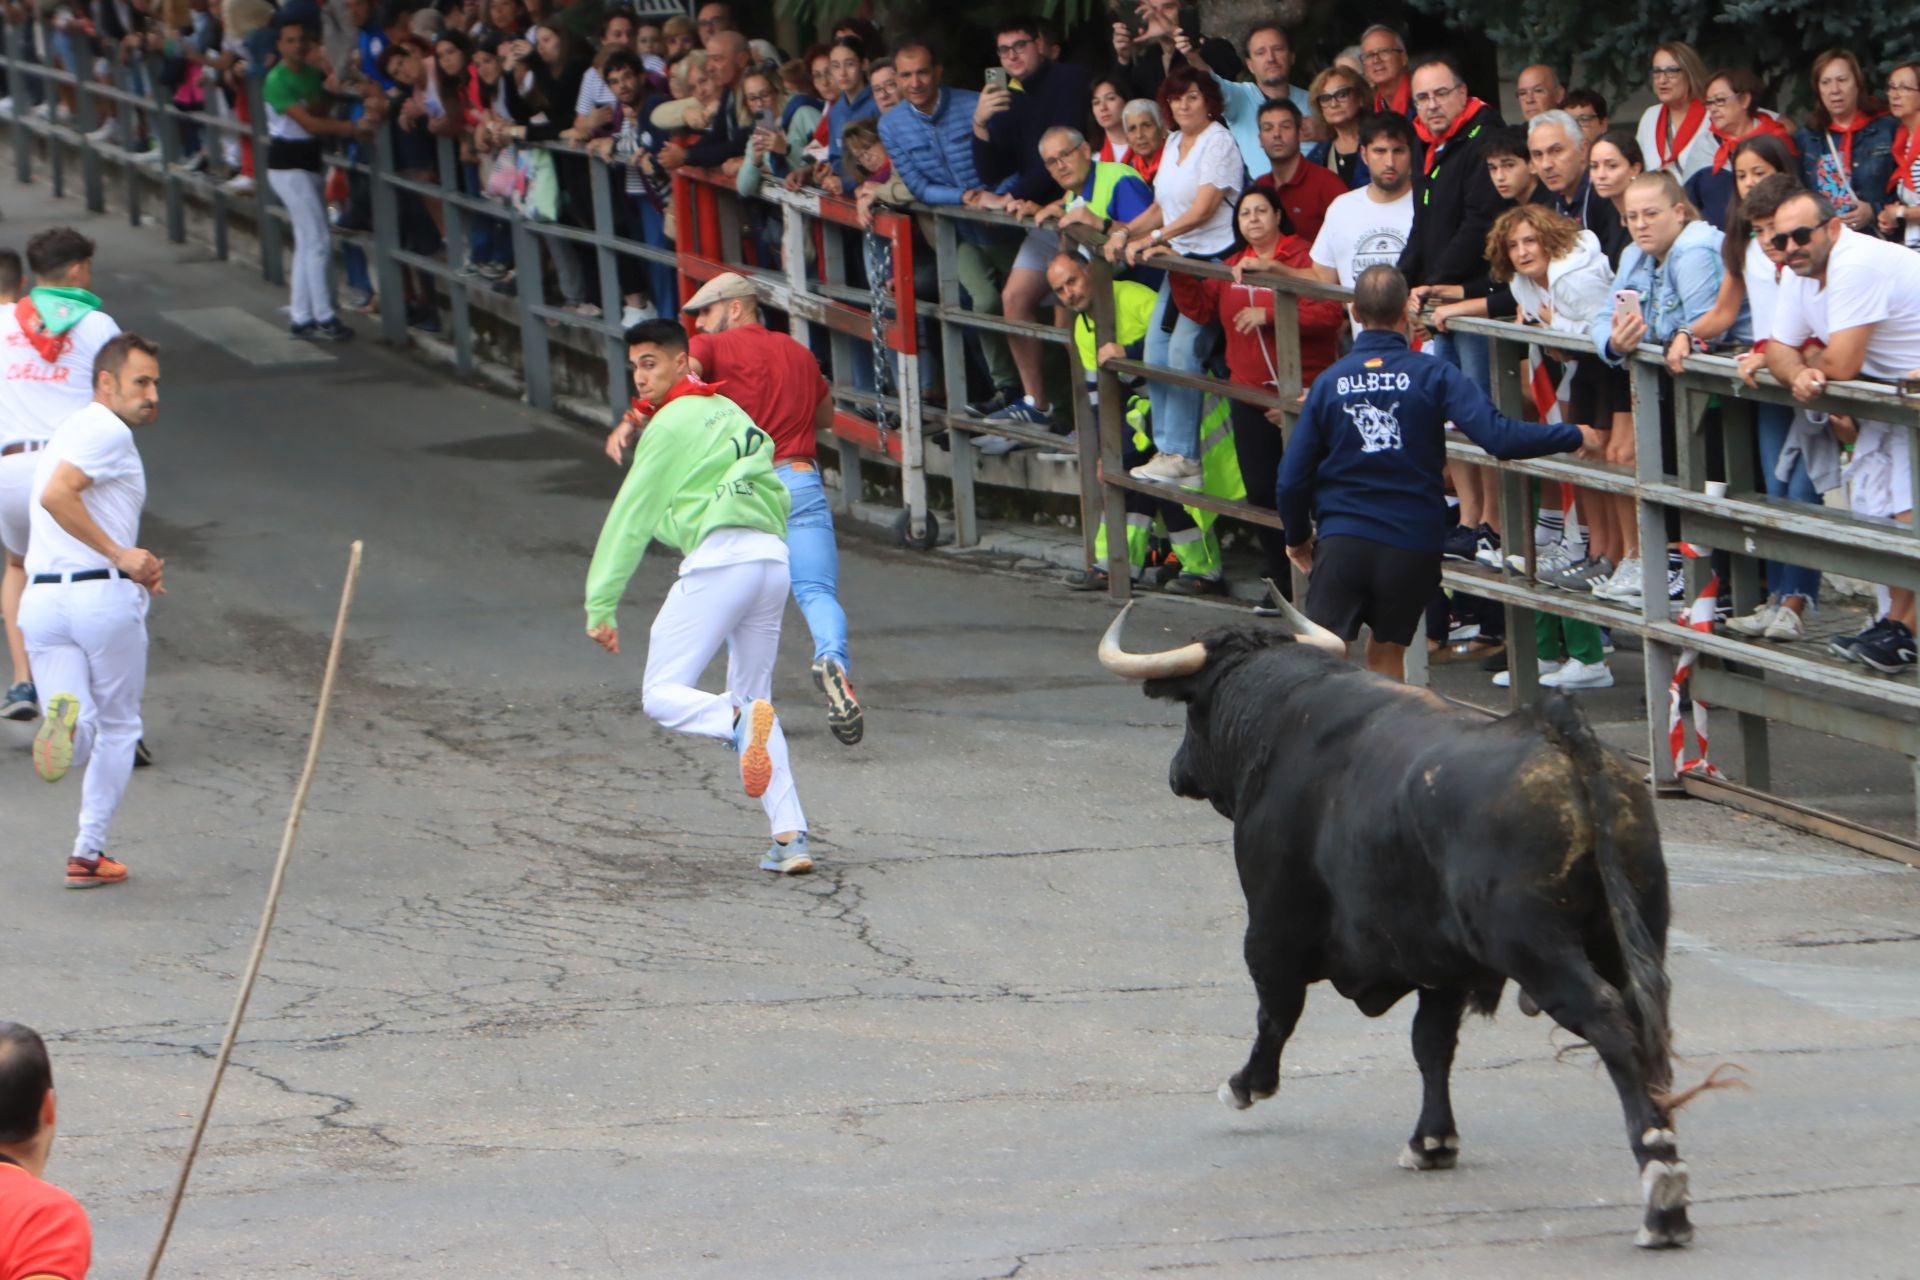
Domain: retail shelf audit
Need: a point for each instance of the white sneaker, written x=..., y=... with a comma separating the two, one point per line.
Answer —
x=239, y=184
x=1625, y=586
x=1579, y=675
x=994, y=446
x=1786, y=627
x=6, y=106
x=1755, y=623
x=1168, y=468
x=1504, y=679
x=101, y=134
x=1550, y=559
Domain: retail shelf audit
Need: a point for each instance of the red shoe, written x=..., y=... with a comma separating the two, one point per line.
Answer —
x=82, y=874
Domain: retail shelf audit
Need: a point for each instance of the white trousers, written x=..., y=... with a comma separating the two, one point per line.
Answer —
x=16, y=493
x=89, y=639
x=299, y=190
x=740, y=606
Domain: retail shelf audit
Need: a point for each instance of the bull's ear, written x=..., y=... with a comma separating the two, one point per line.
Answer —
x=1174, y=689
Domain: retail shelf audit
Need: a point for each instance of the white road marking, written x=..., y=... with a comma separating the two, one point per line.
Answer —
x=247, y=336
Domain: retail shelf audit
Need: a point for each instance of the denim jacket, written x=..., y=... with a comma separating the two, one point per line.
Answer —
x=1872, y=161
x=1673, y=293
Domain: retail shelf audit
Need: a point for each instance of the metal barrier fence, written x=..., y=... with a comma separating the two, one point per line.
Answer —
x=1762, y=682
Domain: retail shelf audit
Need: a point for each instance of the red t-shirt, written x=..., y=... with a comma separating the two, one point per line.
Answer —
x=774, y=379
x=1306, y=198
x=43, y=1230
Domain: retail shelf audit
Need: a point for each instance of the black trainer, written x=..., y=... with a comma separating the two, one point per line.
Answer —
x=1891, y=651
x=1844, y=646
x=994, y=403
x=1192, y=584
x=1463, y=543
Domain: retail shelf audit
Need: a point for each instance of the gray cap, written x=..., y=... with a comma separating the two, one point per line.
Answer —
x=726, y=285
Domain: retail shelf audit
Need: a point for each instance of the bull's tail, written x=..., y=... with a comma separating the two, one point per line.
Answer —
x=1647, y=989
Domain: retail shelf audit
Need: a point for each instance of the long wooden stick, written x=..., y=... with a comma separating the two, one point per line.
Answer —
x=267, y=914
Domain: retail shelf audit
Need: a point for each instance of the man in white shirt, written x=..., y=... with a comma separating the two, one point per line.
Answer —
x=88, y=585
x=1858, y=300
x=48, y=340
x=1368, y=227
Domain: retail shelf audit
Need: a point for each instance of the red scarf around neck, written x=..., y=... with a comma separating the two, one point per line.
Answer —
x=1906, y=149
x=1402, y=98
x=1689, y=125
x=1460, y=122
x=1761, y=124
x=1846, y=131
x=51, y=346
x=687, y=386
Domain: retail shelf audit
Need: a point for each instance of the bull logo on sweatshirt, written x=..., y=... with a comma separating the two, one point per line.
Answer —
x=1378, y=428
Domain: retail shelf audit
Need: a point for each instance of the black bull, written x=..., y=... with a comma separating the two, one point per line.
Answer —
x=1389, y=844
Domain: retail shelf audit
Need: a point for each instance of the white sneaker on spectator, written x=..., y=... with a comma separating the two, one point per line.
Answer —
x=1549, y=559
x=1755, y=623
x=1068, y=449
x=1625, y=586
x=1504, y=679
x=994, y=446
x=1576, y=674
x=101, y=134
x=1786, y=627
x=1168, y=468
x=239, y=184
x=6, y=105
x=631, y=316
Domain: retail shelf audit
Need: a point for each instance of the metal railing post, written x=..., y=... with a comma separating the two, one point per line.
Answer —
x=599, y=181
x=266, y=222
x=1659, y=657
x=125, y=136
x=86, y=120
x=907, y=357
x=22, y=136
x=535, y=367
x=388, y=279
x=833, y=270
x=167, y=134
x=953, y=367
x=459, y=244
x=1516, y=521
x=1113, y=413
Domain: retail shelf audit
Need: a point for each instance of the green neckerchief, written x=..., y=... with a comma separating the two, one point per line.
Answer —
x=60, y=309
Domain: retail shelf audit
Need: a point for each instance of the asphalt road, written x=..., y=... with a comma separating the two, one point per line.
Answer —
x=530, y=1009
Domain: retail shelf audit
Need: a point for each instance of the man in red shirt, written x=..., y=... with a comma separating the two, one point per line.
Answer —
x=777, y=383
x=1304, y=188
x=43, y=1231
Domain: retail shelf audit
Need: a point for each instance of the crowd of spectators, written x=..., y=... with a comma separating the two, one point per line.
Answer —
x=1158, y=147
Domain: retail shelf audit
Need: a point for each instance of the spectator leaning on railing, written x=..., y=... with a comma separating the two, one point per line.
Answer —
x=1846, y=150
x=1851, y=309
x=1146, y=136
x=1094, y=193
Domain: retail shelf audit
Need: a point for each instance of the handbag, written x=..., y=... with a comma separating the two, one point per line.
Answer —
x=504, y=179
x=539, y=200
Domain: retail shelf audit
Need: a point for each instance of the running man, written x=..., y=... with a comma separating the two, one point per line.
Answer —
x=777, y=383
x=48, y=341
x=88, y=585
x=702, y=481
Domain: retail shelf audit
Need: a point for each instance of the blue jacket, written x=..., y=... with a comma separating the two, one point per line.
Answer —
x=1368, y=455
x=1872, y=161
x=1243, y=102
x=1674, y=293
x=933, y=154
x=1009, y=160
x=840, y=113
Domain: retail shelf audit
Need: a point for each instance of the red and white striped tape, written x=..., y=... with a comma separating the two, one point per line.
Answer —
x=1699, y=617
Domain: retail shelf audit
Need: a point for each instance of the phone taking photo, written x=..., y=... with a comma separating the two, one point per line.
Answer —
x=1627, y=298
x=996, y=77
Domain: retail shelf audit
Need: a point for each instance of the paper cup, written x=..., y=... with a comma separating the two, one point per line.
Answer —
x=1716, y=488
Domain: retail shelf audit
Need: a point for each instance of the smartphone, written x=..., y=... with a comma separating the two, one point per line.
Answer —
x=1189, y=21
x=1627, y=298
x=764, y=120
x=996, y=77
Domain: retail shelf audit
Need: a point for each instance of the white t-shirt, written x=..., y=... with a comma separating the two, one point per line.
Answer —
x=1869, y=282
x=1361, y=232
x=1763, y=289
x=36, y=397
x=1213, y=161
x=96, y=442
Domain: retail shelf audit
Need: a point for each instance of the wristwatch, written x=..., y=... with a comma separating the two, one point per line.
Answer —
x=1153, y=236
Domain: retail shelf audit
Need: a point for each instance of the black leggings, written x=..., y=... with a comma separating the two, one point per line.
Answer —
x=1257, y=443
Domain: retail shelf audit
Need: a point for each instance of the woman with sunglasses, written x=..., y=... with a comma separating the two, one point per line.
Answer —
x=1900, y=216
x=1339, y=96
x=1673, y=133
x=1846, y=150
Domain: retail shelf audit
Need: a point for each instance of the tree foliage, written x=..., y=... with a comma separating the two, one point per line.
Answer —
x=1611, y=44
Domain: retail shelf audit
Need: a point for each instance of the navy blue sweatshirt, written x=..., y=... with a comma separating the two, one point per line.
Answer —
x=1367, y=456
x=1056, y=94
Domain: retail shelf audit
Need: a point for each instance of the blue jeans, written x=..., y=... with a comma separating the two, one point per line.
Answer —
x=662, y=280
x=1176, y=410
x=1772, y=423
x=1470, y=354
x=489, y=240
x=813, y=562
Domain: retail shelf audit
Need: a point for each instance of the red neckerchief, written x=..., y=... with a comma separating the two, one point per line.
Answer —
x=1689, y=125
x=687, y=386
x=1106, y=151
x=1762, y=124
x=1906, y=149
x=1146, y=166
x=1846, y=131
x=1402, y=98
x=51, y=346
x=1434, y=144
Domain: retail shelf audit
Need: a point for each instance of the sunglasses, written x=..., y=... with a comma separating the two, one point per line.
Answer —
x=1802, y=236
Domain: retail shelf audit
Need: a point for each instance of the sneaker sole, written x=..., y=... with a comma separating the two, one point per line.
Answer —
x=756, y=766
x=53, y=744
x=93, y=882
x=1839, y=650
x=844, y=715
x=1893, y=669
x=22, y=711
x=798, y=865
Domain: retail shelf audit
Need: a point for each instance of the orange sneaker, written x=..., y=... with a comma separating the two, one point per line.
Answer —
x=82, y=874
x=750, y=734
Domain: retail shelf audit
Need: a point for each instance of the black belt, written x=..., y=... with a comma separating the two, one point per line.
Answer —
x=22, y=446
x=81, y=575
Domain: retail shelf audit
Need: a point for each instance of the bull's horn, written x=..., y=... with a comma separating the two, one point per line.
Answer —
x=1183, y=661
x=1309, y=631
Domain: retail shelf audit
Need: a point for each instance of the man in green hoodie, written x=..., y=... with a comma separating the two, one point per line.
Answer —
x=702, y=482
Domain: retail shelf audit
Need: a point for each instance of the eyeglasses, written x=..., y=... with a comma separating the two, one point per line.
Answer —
x=1436, y=97
x=1668, y=72
x=1902, y=88
x=1055, y=161
x=1802, y=236
x=1718, y=101
x=1333, y=96
x=1381, y=55
x=1008, y=50
x=1584, y=118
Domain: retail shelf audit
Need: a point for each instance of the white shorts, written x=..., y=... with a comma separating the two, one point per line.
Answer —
x=16, y=493
x=1880, y=478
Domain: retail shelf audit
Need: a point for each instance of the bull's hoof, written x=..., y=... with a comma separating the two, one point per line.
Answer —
x=1430, y=1154
x=1527, y=1006
x=1237, y=1096
x=1663, y=1186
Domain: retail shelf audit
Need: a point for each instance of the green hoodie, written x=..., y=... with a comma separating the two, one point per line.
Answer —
x=701, y=465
